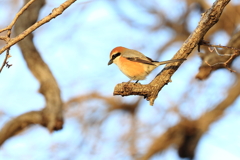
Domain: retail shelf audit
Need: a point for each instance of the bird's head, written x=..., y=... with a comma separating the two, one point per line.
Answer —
x=115, y=54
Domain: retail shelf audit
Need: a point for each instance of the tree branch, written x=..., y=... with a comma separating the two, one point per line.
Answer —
x=5, y=60
x=51, y=116
x=150, y=91
x=55, y=12
x=186, y=134
x=9, y=27
x=212, y=58
x=19, y=123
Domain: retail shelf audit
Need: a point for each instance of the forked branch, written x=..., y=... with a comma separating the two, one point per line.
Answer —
x=51, y=116
x=151, y=90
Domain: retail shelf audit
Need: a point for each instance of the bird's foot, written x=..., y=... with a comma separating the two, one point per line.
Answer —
x=126, y=83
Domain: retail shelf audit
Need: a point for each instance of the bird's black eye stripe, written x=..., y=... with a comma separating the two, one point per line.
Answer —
x=115, y=55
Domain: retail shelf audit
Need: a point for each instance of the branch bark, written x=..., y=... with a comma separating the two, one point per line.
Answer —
x=151, y=90
x=55, y=12
x=51, y=116
x=186, y=134
x=19, y=123
x=10, y=26
x=213, y=58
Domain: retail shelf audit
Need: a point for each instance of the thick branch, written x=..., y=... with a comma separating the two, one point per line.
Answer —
x=51, y=116
x=113, y=102
x=217, y=112
x=9, y=27
x=49, y=87
x=186, y=134
x=209, y=18
x=19, y=123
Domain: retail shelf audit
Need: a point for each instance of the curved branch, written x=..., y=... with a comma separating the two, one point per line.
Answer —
x=112, y=102
x=19, y=123
x=55, y=12
x=186, y=134
x=212, y=58
x=9, y=27
x=48, y=86
x=209, y=18
x=51, y=116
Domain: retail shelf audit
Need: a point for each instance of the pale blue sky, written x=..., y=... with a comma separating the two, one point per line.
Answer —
x=76, y=47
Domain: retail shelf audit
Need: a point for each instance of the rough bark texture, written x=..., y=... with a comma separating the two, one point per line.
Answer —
x=55, y=12
x=215, y=60
x=186, y=134
x=150, y=91
x=51, y=116
x=48, y=86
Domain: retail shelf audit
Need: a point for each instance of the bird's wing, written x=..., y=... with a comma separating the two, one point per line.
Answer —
x=140, y=60
x=136, y=56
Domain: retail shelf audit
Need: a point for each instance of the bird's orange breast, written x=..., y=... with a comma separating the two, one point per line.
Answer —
x=133, y=70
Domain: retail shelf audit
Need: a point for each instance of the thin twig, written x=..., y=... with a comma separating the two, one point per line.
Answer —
x=55, y=12
x=5, y=38
x=9, y=27
x=51, y=116
x=214, y=48
x=150, y=91
x=12, y=41
x=5, y=60
x=206, y=43
x=226, y=62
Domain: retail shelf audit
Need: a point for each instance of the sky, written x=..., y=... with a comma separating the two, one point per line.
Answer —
x=76, y=46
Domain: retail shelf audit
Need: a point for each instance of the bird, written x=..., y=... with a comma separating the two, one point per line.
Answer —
x=134, y=64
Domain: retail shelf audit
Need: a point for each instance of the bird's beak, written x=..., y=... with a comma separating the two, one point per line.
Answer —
x=110, y=62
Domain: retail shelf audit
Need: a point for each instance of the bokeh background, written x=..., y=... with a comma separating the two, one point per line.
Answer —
x=98, y=125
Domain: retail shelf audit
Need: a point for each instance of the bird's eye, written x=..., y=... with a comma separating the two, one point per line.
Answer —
x=116, y=55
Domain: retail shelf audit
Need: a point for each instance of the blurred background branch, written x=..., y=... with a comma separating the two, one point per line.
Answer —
x=51, y=115
x=209, y=18
x=68, y=58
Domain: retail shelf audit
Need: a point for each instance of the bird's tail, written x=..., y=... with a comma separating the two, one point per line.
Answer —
x=169, y=61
